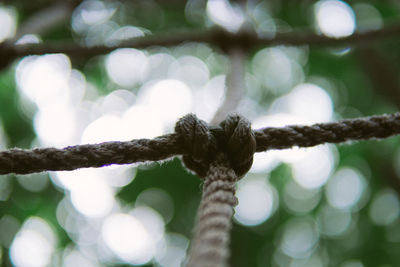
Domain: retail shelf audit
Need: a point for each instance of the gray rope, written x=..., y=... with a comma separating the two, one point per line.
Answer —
x=209, y=246
x=21, y=161
x=374, y=127
x=221, y=155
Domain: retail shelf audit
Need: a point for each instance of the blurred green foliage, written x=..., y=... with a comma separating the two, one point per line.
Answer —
x=251, y=246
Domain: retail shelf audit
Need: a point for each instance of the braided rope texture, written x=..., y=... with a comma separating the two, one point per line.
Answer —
x=21, y=161
x=374, y=127
x=209, y=247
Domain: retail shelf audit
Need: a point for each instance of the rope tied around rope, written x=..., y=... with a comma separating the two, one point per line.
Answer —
x=220, y=155
x=233, y=137
x=24, y=161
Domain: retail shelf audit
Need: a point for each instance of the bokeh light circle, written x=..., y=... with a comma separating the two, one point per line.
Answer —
x=335, y=18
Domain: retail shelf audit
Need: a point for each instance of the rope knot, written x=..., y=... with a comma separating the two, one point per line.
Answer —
x=233, y=137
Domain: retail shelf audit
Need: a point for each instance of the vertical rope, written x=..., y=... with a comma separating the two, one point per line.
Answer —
x=235, y=85
x=209, y=247
x=220, y=155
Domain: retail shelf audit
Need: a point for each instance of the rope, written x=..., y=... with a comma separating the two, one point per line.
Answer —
x=221, y=155
x=377, y=127
x=209, y=246
x=215, y=37
x=21, y=161
x=234, y=137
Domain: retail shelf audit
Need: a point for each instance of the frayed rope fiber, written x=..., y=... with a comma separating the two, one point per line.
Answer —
x=21, y=161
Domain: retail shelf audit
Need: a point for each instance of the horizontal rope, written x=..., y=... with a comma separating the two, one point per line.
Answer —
x=21, y=161
x=377, y=127
x=216, y=36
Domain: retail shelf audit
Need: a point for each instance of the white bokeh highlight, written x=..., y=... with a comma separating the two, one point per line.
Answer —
x=385, y=208
x=55, y=125
x=257, y=202
x=127, y=66
x=310, y=102
x=277, y=69
x=313, y=170
x=344, y=190
x=134, y=237
x=127, y=238
x=8, y=23
x=170, y=99
x=299, y=238
x=34, y=244
x=224, y=14
x=334, y=18
x=44, y=79
x=89, y=193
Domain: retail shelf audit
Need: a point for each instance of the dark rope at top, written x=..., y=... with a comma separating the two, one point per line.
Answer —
x=188, y=142
x=216, y=36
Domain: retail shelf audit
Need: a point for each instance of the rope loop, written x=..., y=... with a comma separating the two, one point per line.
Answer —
x=202, y=143
x=240, y=143
x=198, y=142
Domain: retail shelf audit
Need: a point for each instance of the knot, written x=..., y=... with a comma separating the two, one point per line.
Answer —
x=233, y=137
x=240, y=143
x=199, y=143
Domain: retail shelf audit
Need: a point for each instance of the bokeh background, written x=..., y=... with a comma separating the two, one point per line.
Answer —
x=329, y=205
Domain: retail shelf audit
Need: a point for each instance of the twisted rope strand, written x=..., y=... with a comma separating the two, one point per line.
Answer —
x=378, y=127
x=21, y=161
x=209, y=247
